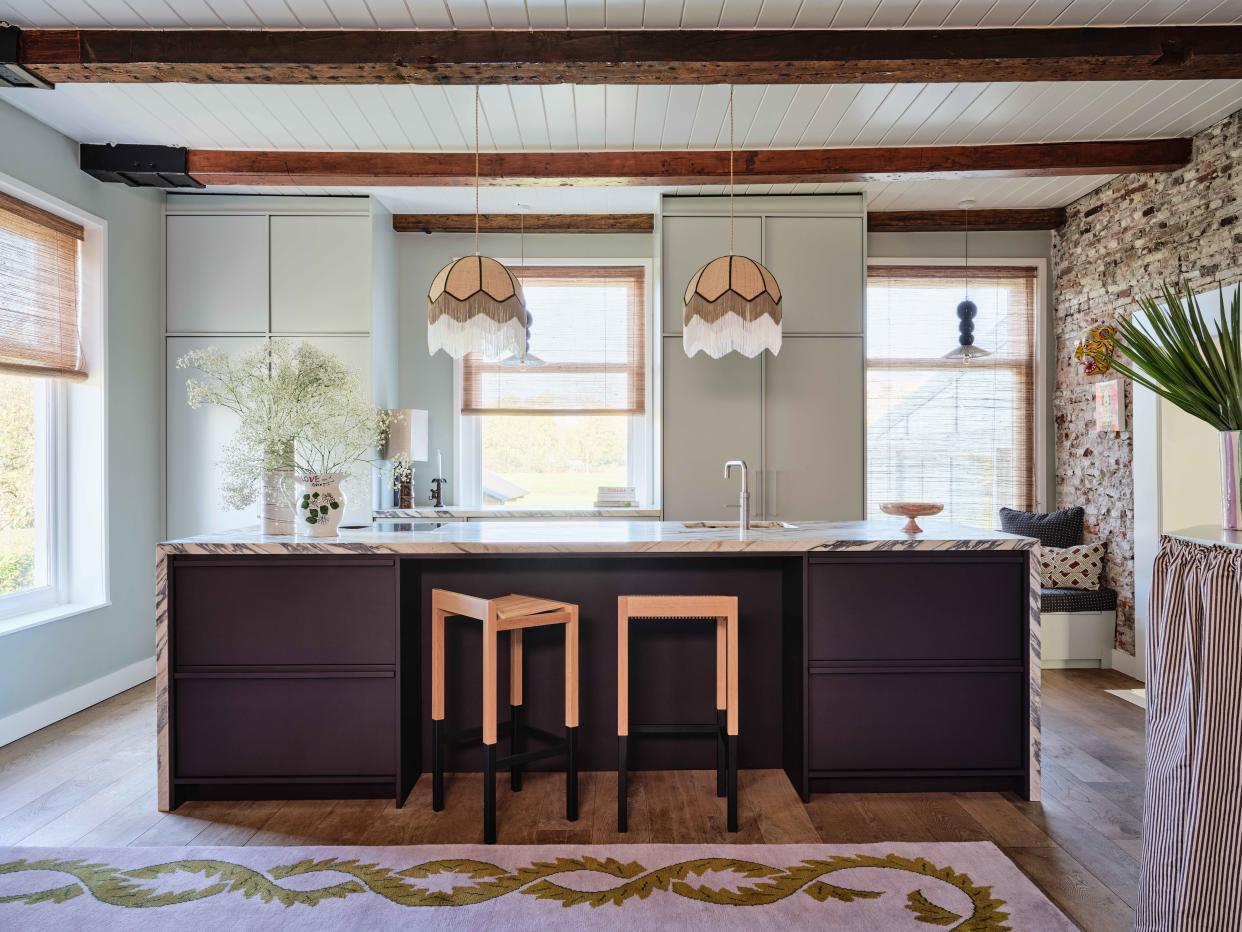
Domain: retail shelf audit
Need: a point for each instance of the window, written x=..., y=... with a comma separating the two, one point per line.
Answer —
x=574, y=418
x=39, y=350
x=944, y=430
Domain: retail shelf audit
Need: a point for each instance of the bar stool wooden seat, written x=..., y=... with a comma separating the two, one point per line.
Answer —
x=722, y=610
x=511, y=613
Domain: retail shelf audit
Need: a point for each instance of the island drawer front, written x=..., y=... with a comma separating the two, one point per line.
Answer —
x=261, y=612
x=917, y=721
x=284, y=727
x=904, y=608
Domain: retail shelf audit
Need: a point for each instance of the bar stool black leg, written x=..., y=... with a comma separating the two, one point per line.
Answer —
x=571, y=773
x=437, y=765
x=622, y=785
x=731, y=805
x=721, y=752
x=489, y=794
x=516, y=746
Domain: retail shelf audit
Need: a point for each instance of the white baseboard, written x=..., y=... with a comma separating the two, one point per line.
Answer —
x=1127, y=664
x=1070, y=664
x=42, y=714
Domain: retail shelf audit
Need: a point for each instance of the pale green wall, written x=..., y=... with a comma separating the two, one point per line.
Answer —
x=427, y=381
x=42, y=662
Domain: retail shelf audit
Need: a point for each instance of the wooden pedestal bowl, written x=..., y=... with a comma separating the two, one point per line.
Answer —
x=910, y=511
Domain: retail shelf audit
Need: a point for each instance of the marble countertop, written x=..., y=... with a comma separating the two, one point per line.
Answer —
x=611, y=536
x=430, y=513
x=1210, y=535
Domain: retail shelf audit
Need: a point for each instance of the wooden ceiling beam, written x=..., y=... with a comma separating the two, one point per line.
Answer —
x=955, y=221
x=838, y=56
x=529, y=223
x=883, y=221
x=679, y=167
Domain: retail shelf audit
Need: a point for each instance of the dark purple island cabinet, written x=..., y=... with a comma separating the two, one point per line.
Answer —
x=869, y=660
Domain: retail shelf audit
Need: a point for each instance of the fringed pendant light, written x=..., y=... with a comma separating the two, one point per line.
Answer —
x=475, y=305
x=733, y=304
x=967, y=309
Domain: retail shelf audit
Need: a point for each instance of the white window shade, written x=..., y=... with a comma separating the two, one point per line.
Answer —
x=586, y=331
x=939, y=430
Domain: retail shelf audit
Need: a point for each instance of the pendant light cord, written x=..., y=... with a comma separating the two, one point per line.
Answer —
x=476, y=170
x=966, y=248
x=730, y=170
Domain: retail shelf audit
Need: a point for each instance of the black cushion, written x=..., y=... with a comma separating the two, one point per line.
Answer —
x=1052, y=528
x=1078, y=600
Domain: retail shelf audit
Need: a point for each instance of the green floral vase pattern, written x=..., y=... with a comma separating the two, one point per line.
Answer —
x=320, y=505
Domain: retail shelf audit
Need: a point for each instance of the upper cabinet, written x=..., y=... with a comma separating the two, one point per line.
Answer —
x=217, y=277
x=321, y=274
x=818, y=262
x=692, y=242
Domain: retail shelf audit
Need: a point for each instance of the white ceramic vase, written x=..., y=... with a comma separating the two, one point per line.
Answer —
x=320, y=504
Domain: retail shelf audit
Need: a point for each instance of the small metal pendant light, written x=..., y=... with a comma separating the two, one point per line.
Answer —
x=525, y=359
x=475, y=305
x=967, y=309
x=733, y=304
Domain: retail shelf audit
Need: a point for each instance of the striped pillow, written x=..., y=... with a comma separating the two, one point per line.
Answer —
x=1077, y=567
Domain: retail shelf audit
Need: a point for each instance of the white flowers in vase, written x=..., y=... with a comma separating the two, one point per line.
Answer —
x=302, y=415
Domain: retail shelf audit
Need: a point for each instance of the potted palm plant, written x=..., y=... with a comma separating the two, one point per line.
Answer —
x=302, y=419
x=1174, y=351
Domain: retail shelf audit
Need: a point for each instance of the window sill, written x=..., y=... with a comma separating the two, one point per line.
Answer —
x=26, y=620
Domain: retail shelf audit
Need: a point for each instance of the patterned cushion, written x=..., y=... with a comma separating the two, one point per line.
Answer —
x=1078, y=600
x=1072, y=567
x=1052, y=528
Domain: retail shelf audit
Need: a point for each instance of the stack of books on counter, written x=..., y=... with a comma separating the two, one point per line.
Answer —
x=616, y=496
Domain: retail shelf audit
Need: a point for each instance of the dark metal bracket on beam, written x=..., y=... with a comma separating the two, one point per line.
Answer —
x=12, y=73
x=138, y=166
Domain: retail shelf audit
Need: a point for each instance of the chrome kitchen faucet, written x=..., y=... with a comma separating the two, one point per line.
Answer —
x=743, y=518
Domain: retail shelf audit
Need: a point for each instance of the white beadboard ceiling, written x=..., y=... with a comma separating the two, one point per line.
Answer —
x=565, y=117
x=612, y=14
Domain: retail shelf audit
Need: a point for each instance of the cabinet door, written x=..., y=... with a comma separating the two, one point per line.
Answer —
x=818, y=262
x=195, y=444
x=691, y=242
x=354, y=353
x=217, y=274
x=711, y=415
x=813, y=426
x=321, y=274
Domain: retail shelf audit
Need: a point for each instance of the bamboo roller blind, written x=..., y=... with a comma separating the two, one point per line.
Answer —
x=587, y=326
x=942, y=430
x=38, y=292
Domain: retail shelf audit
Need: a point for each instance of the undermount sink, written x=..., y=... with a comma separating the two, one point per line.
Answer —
x=754, y=525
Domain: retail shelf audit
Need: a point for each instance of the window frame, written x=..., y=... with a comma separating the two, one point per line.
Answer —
x=467, y=470
x=81, y=527
x=1039, y=414
x=51, y=494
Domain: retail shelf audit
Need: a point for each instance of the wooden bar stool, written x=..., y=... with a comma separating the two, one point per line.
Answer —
x=722, y=610
x=512, y=613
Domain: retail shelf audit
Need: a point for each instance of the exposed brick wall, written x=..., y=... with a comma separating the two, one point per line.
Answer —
x=1119, y=242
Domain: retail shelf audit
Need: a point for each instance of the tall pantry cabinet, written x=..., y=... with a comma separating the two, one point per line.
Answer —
x=241, y=271
x=797, y=418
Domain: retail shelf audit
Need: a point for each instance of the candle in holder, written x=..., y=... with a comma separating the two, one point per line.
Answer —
x=439, y=465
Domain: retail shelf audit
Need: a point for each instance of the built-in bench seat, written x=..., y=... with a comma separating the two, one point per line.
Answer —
x=1076, y=625
x=1078, y=600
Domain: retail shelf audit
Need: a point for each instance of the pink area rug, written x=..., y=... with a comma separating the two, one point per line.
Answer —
x=968, y=886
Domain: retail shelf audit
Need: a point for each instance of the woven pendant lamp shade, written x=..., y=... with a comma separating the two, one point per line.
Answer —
x=475, y=305
x=733, y=305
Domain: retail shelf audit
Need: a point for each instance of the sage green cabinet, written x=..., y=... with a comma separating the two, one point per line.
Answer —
x=818, y=262
x=712, y=413
x=321, y=274
x=797, y=418
x=217, y=276
x=692, y=242
x=813, y=425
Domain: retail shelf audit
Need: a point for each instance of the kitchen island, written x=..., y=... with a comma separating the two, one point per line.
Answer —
x=870, y=659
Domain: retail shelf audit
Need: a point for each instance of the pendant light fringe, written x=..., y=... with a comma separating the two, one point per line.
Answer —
x=732, y=333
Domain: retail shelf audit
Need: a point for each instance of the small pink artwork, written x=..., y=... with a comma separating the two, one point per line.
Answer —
x=1110, y=406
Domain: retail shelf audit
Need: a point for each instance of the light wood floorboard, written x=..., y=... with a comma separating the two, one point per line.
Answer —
x=90, y=781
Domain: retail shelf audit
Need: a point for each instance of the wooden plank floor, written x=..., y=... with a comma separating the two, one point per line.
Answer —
x=90, y=781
